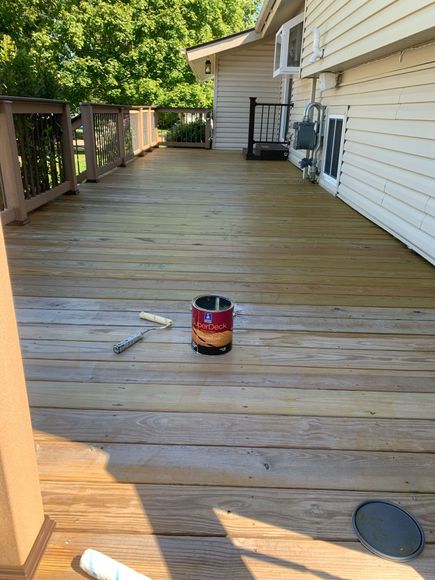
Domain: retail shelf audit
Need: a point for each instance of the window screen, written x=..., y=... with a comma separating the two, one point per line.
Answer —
x=278, y=50
x=295, y=45
x=333, y=145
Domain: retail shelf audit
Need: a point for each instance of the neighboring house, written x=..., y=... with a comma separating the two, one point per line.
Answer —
x=372, y=66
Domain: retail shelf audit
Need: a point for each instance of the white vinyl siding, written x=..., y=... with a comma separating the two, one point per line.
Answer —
x=242, y=73
x=353, y=31
x=388, y=165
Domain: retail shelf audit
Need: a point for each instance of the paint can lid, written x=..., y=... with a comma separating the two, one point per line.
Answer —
x=387, y=530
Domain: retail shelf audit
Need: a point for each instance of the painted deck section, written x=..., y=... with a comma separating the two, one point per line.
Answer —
x=242, y=466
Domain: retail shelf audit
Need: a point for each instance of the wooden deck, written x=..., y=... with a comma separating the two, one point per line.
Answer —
x=242, y=466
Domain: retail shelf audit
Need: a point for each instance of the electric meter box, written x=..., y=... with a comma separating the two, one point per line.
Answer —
x=305, y=136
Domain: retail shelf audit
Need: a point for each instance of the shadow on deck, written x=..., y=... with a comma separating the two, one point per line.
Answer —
x=242, y=466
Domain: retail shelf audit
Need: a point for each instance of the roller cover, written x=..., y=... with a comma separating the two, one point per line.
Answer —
x=102, y=567
x=155, y=318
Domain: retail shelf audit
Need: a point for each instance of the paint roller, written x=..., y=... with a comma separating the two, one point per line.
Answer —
x=126, y=343
x=102, y=567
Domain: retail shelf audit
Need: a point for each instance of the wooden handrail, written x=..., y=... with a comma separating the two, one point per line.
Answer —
x=182, y=110
x=34, y=169
x=114, y=135
x=46, y=150
x=31, y=100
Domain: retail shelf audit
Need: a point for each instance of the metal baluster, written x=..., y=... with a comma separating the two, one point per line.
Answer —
x=267, y=126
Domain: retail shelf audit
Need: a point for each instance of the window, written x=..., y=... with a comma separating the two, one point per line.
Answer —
x=288, y=46
x=278, y=46
x=333, y=149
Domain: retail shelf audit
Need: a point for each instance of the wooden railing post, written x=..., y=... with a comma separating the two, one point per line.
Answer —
x=24, y=530
x=155, y=135
x=140, y=141
x=89, y=139
x=68, y=151
x=150, y=127
x=121, y=136
x=10, y=165
x=252, y=105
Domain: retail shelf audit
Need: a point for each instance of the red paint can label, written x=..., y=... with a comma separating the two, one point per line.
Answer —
x=212, y=324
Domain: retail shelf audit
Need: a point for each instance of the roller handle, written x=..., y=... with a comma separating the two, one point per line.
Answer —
x=127, y=342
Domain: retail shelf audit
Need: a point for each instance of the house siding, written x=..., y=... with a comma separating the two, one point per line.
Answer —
x=242, y=73
x=350, y=30
x=388, y=164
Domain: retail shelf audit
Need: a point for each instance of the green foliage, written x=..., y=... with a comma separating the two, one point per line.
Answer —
x=123, y=51
x=193, y=132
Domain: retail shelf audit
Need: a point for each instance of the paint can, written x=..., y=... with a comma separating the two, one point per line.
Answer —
x=212, y=324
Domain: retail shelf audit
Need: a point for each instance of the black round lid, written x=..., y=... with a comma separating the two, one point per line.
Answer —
x=387, y=530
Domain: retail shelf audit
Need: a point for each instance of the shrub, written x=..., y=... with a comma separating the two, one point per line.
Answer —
x=193, y=132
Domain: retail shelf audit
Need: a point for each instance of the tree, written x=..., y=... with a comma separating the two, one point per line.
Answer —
x=120, y=51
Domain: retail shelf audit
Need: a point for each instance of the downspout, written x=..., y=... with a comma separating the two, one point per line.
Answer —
x=317, y=51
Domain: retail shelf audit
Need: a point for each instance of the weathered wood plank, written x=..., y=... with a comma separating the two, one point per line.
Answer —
x=231, y=399
x=187, y=558
x=236, y=466
x=234, y=430
x=251, y=337
x=242, y=309
x=246, y=355
x=184, y=320
x=216, y=511
x=210, y=373
x=135, y=269
x=302, y=297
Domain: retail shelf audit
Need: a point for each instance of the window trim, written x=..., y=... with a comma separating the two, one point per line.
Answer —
x=328, y=179
x=284, y=31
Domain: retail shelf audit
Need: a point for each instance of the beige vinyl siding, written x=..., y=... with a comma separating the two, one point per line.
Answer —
x=242, y=73
x=353, y=31
x=388, y=165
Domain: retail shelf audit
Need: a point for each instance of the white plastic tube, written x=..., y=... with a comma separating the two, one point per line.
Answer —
x=102, y=567
x=317, y=51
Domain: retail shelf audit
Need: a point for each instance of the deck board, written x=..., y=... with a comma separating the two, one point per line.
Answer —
x=243, y=466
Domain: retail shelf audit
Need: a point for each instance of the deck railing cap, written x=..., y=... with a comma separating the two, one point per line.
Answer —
x=31, y=100
x=183, y=109
x=117, y=106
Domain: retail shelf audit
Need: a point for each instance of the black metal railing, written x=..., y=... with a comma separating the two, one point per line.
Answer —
x=40, y=151
x=268, y=124
x=106, y=132
x=128, y=133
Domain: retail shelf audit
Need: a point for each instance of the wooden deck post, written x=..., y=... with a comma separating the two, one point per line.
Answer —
x=10, y=165
x=68, y=151
x=155, y=133
x=121, y=136
x=252, y=105
x=140, y=124
x=150, y=128
x=24, y=530
x=89, y=139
